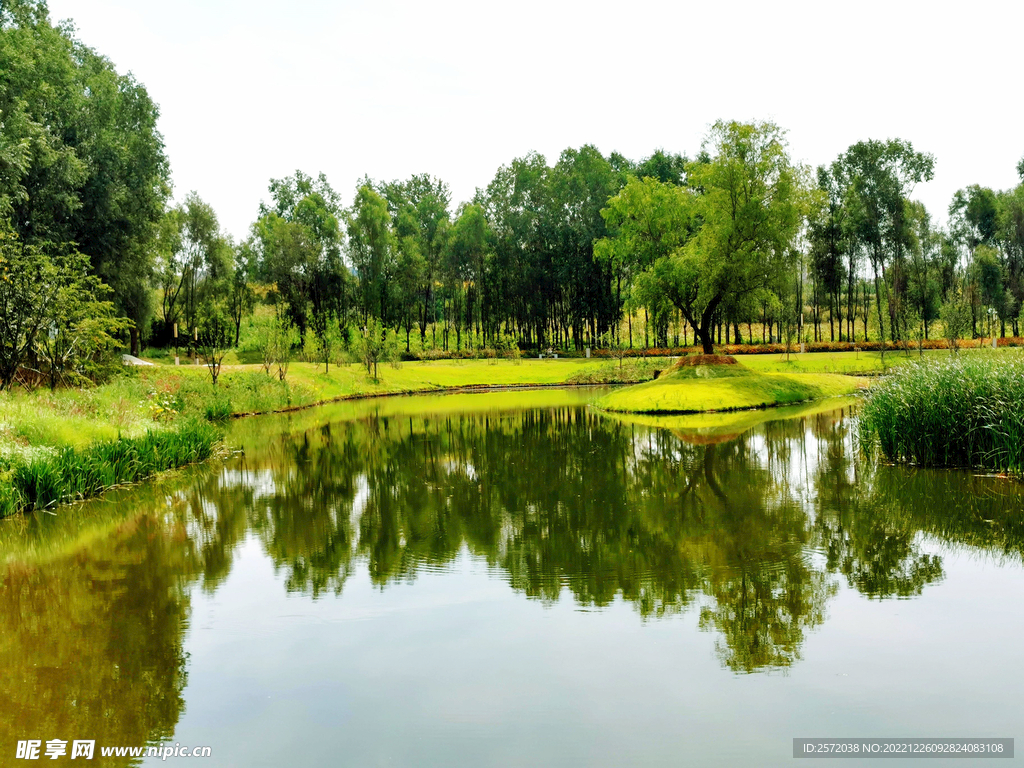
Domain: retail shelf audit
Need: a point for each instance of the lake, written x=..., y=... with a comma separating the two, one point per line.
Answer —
x=517, y=579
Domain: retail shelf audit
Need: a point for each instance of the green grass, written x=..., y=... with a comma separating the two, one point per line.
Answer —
x=960, y=412
x=704, y=388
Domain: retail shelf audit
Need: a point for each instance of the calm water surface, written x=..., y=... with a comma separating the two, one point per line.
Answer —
x=518, y=580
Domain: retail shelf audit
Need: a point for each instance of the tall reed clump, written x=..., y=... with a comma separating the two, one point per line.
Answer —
x=965, y=412
x=78, y=473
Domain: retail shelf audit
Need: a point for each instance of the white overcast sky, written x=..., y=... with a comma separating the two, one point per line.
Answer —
x=251, y=90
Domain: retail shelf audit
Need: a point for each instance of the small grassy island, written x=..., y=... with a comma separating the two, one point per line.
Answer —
x=702, y=383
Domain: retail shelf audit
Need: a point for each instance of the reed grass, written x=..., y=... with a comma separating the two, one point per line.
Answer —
x=73, y=473
x=964, y=412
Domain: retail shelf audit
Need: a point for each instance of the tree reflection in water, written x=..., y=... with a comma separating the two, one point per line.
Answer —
x=92, y=642
x=752, y=532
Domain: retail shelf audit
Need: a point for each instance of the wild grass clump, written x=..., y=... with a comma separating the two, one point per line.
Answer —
x=72, y=473
x=964, y=412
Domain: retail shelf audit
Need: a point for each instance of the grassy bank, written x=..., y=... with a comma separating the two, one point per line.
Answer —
x=964, y=412
x=72, y=444
x=700, y=388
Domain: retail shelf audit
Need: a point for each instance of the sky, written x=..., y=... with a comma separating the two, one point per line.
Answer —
x=252, y=90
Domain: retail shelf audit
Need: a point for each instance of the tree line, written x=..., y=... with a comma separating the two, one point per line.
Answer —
x=738, y=242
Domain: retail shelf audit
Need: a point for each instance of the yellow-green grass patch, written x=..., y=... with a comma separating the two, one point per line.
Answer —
x=704, y=388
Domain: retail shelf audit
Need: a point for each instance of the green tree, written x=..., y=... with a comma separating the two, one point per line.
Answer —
x=275, y=337
x=375, y=345
x=651, y=221
x=956, y=320
x=241, y=296
x=519, y=280
x=372, y=250
x=1010, y=235
x=84, y=331
x=215, y=332
x=297, y=243
x=419, y=207
x=987, y=274
x=195, y=261
x=81, y=159
x=328, y=337
x=410, y=274
x=467, y=249
x=750, y=208
x=881, y=176
x=923, y=269
x=829, y=244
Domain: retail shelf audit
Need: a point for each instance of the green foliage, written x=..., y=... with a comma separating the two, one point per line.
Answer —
x=964, y=412
x=881, y=176
x=419, y=208
x=196, y=263
x=745, y=210
x=297, y=249
x=373, y=250
x=987, y=276
x=630, y=371
x=81, y=344
x=53, y=311
x=507, y=346
x=326, y=338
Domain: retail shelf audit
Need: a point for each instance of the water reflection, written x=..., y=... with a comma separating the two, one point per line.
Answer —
x=752, y=532
x=751, y=529
x=92, y=642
